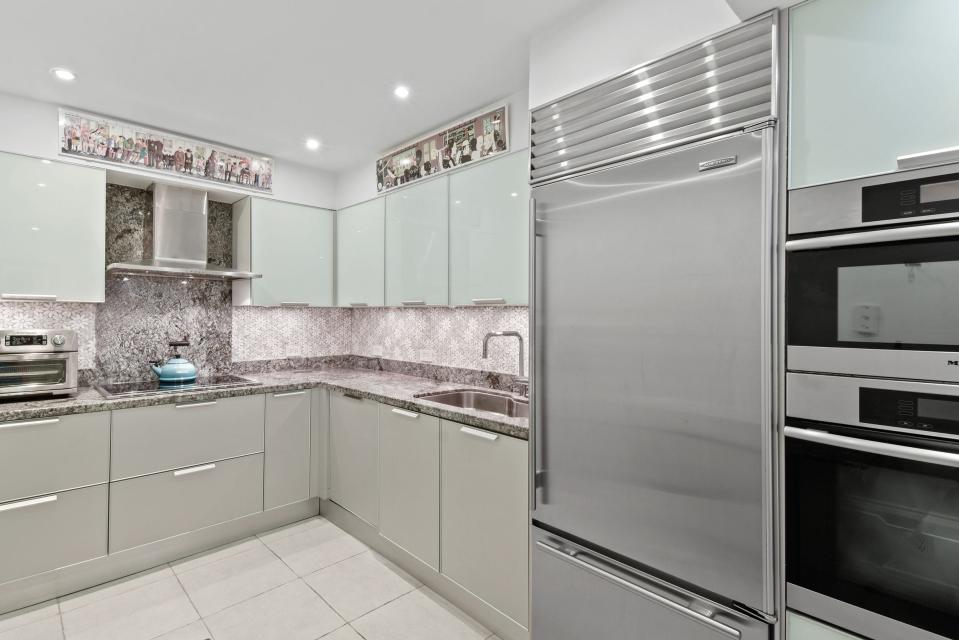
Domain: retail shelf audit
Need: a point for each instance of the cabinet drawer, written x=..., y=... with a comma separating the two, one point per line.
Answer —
x=54, y=454
x=173, y=436
x=287, y=454
x=52, y=531
x=155, y=507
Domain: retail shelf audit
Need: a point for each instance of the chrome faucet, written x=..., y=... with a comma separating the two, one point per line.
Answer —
x=522, y=381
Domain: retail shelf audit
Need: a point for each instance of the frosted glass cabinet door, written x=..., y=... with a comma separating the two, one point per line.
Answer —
x=870, y=81
x=359, y=254
x=489, y=232
x=417, y=244
x=292, y=246
x=52, y=238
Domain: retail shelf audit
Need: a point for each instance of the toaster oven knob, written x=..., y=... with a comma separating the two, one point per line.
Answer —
x=59, y=340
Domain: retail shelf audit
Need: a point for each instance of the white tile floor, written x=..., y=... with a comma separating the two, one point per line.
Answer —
x=306, y=581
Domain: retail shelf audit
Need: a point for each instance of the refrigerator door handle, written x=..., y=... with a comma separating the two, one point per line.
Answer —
x=577, y=558
x=535, y=373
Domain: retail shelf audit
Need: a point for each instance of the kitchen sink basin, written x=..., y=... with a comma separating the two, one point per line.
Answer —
x=501, y=403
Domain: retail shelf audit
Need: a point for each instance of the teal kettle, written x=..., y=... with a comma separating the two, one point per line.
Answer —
x=176, y=369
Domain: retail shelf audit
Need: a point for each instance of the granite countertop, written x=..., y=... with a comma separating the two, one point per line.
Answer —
x=389, y=388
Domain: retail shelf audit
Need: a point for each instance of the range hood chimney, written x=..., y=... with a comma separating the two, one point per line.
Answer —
x=179, y=240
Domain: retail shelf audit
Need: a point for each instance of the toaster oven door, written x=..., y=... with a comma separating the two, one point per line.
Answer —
x=38, y=373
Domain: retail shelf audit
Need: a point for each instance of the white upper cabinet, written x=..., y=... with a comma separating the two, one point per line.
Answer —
x=360, y=235
x=870, y=82
x=291, y=245
x=417, y=244
x=53, y=230
x=489, y=232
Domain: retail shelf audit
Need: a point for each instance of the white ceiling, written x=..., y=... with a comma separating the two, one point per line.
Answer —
x=266, y=75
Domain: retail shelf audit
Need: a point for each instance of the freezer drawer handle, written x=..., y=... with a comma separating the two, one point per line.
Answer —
x=31, y=423
x=916, y=454
x=27, y=503
x=405, y=414
x=576, y=559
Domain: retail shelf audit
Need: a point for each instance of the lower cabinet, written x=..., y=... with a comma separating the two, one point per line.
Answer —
x=799, y=627
x=286, y=475
x=52, y=531
x=484, y=524
x=162, y=505
x=354, y=455
x=410, y=482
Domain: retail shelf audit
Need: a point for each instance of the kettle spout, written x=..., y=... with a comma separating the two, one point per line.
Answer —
x=156, y=369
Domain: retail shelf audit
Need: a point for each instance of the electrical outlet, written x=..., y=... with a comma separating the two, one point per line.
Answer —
x=427, y=355
x=865, y=319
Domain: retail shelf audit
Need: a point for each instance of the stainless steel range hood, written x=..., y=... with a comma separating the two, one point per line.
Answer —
x=179, y=249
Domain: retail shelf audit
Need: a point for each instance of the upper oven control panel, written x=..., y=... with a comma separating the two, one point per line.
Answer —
x=37, y=340
x=903, y=197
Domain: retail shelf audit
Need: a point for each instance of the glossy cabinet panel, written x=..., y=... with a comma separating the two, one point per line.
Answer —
x=484, y=516
x=320, y=444
x=54, y=230
x=799, y=627
x=353, y=455
x=292, y=246
x=489, y=232
x=410, y=482
x=868, y=85
x=360, y=237
x=286, y=476
x=417, y=244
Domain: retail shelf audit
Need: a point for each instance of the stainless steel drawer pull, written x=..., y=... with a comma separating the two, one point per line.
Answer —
x=289, y=394
x=194, y=405
x=192, y=470
x=28, y=296
x=352, y=396
x=405, y=413
x=928, y=456
x=32, y=502
x=925, y=158
x=479, y=433
x=413, y=303
x=575, y=558
x=359, y=304
x=489, y=300
x=31, y=423
x=294, y=304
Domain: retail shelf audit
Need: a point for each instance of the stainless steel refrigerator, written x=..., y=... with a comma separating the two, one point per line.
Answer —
x=653, y=403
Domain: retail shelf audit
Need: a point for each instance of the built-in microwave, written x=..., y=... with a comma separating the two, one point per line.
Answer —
x=872, y=505
x=872, y=277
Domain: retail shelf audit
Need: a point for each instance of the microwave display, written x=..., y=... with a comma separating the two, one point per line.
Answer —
x=933, y=196
x=25, y=340
x=909, y=410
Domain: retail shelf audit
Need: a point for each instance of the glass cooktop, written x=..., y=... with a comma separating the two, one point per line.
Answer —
x=114, y=390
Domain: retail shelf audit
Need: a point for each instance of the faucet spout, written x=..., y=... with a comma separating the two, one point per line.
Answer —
x=522, y=349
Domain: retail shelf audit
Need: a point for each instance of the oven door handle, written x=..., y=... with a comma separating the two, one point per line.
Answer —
x=917, y=232
x=928, y=456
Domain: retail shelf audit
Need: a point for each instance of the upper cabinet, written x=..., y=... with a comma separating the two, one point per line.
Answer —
x=52, y=246
x=360, y=233
x=417, y=244
x=489, y=232
x=867, y=86
x=291, y=245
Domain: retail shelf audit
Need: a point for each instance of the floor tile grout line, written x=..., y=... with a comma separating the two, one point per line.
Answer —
x=215, y=550
x=239, y=602
x=24, y=609
x=105, y=585
x=187, y=594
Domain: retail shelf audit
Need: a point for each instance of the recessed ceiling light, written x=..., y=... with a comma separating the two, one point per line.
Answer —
x=63, y=74
x=401, y=92
x=312, y=144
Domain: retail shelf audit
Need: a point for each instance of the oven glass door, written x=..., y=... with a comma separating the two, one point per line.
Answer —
x=34, y=373
x=902, y=295
x=878, y=532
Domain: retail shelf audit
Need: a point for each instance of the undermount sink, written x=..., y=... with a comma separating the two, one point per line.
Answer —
x=501, y=403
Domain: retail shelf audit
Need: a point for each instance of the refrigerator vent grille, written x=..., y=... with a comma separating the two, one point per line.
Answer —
x=719, y=85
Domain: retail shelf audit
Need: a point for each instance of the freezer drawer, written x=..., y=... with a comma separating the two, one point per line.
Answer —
x=52, y=531
x=578, y=594
x=53, y=454
x=166, y=504
x=170, y=436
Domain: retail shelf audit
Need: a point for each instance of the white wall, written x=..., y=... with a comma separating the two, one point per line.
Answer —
x=30, y=127
x=602, y=39
x=359, y=183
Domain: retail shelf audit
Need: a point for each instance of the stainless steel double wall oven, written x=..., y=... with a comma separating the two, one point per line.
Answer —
x=872, y=404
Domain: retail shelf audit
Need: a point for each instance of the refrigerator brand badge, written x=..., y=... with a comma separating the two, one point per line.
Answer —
x=718, y=162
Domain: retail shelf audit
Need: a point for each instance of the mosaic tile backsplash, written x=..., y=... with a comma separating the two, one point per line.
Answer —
x=141, y=315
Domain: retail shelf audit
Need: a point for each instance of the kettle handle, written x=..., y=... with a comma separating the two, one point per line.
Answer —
x=180, y=343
